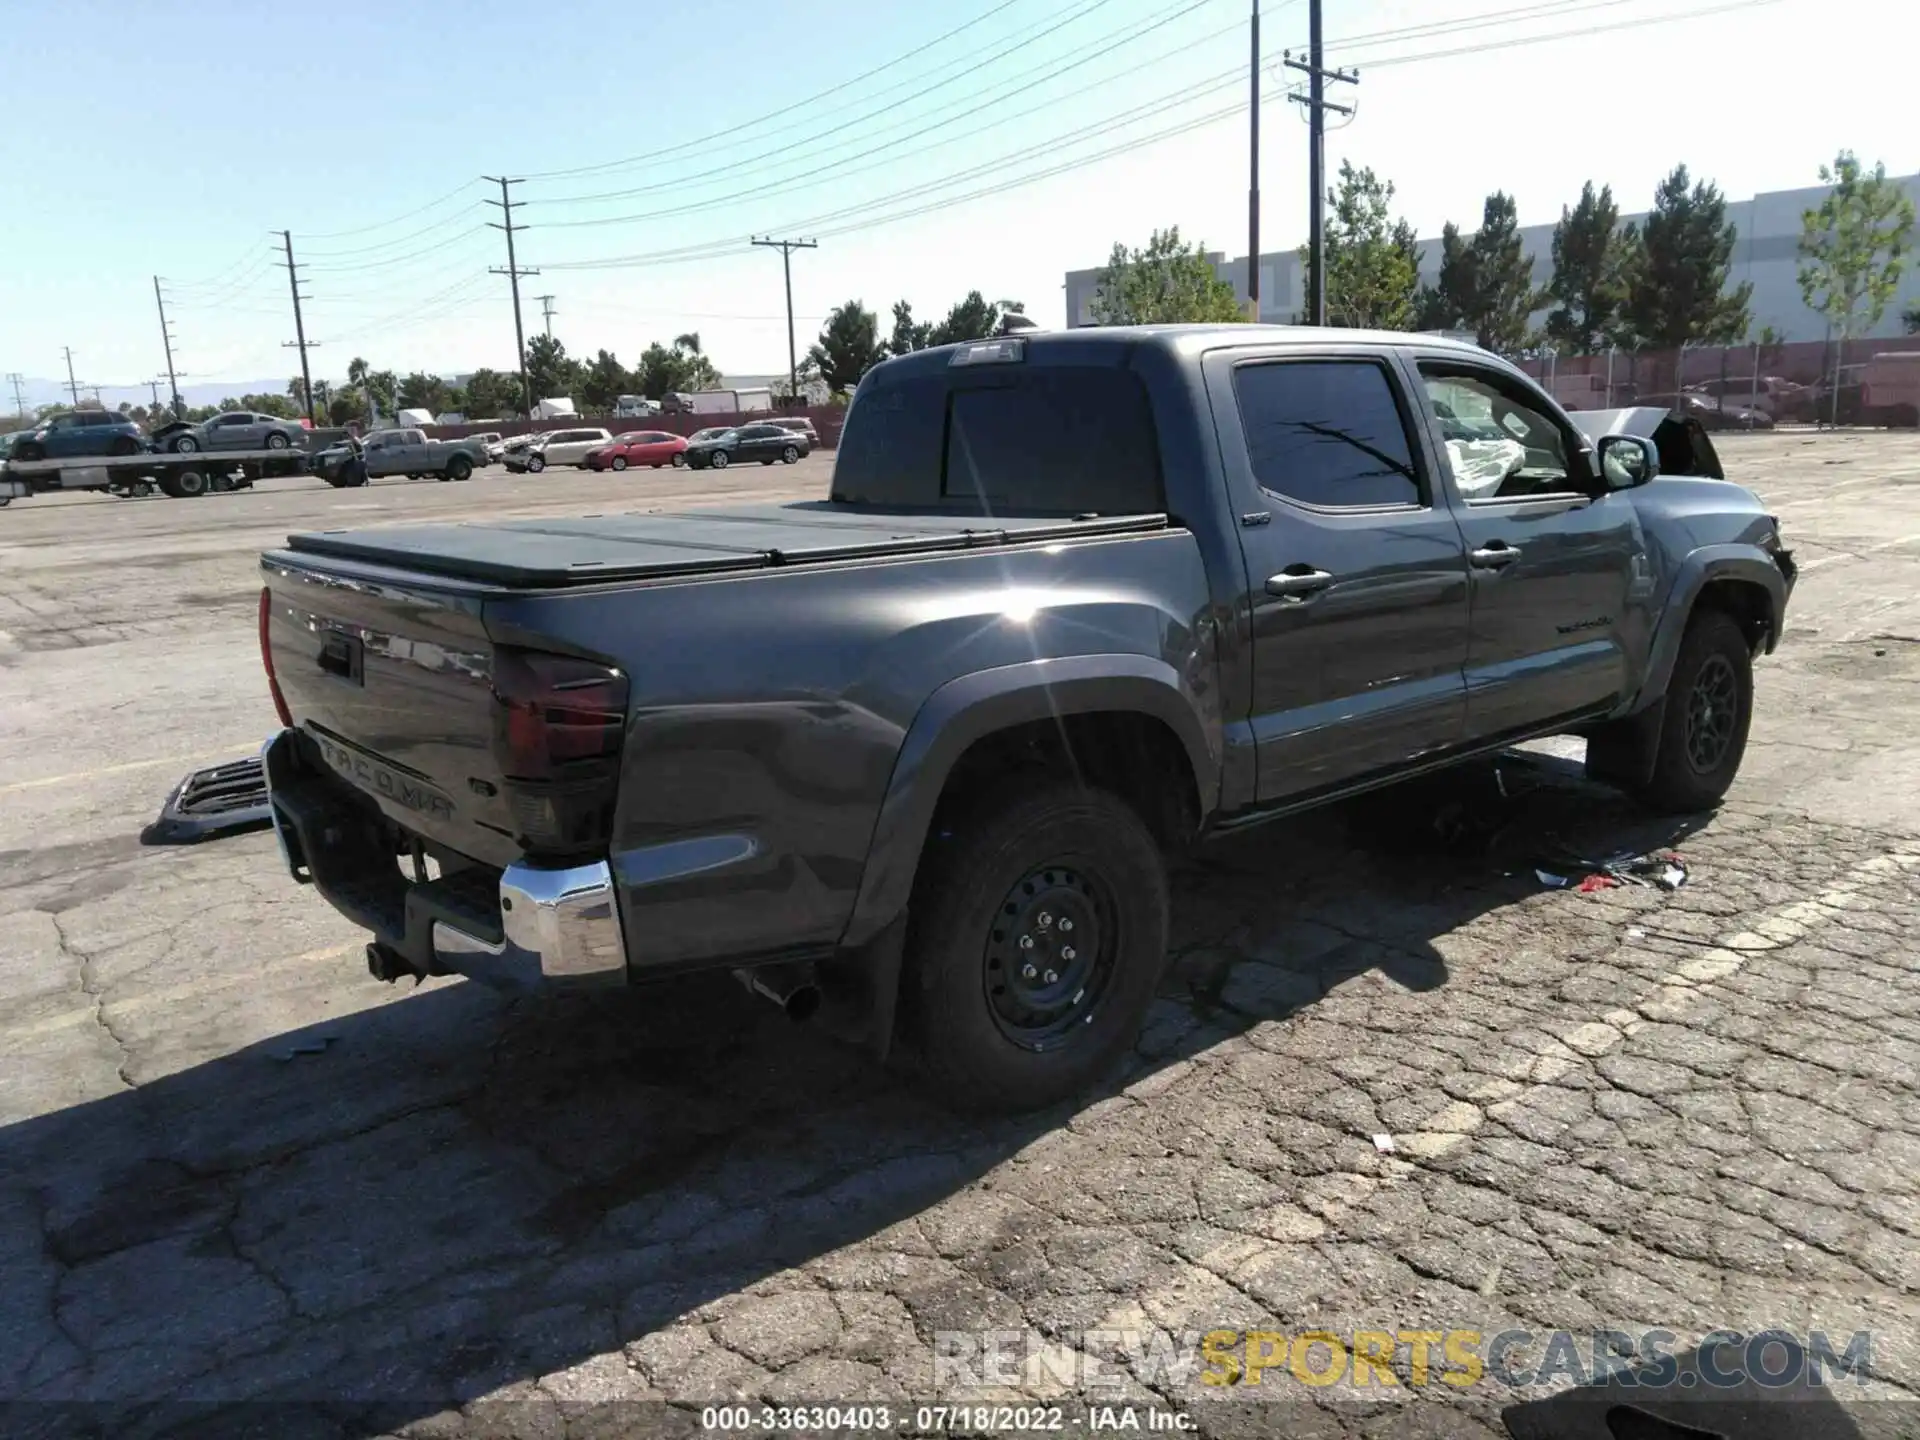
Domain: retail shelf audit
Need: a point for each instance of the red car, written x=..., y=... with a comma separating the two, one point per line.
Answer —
x=639, y=447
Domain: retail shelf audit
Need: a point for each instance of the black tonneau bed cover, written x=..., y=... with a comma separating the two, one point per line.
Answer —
x=593, y=549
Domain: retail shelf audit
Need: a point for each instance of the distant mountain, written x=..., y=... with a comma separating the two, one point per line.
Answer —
x=37, y=391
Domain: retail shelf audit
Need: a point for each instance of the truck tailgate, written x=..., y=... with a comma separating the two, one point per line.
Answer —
x=390, y=680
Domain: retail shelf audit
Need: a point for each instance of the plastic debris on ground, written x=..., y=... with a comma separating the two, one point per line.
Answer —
x=1655, y=871
x=1384, y=1144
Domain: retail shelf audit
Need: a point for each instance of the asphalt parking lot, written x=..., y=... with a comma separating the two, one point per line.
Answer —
x=1392, y=1083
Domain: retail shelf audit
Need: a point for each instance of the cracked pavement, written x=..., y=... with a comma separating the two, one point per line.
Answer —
x=234, y=1169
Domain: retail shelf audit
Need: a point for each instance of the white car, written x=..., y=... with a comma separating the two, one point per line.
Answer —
x=564, y=447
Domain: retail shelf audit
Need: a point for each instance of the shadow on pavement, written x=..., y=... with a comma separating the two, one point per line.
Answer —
x=405, y=1208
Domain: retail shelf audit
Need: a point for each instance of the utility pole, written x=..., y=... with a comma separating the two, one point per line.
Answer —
x=299, y=327
x=786, y=249
x=1253, y=183
x=513, y=272
x=166, y=339
x=73, y=385
x=1317, y=106
x=15, y=378
x=546, y=312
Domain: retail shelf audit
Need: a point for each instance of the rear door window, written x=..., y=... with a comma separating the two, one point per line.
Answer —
x=1327, y=433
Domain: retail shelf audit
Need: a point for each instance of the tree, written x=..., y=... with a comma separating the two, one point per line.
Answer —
x=908, y=334
x=1593, y=264
x=1168, y=282
x=1679, y=294
x=681, y=366
x=420, y=391
x=383, y=393
x=973, y=318
x=1910, y=319
x=1372, y=260
x=550, y=373
x=1503, y=290
x=492, y=395
x=1853, y=247
x=1446, y=304
x=603, y=383
x=848, y=347
x=348, y=402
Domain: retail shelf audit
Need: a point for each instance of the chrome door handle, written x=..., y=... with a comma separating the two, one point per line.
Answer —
x=1298, y=583
x=1494, y=556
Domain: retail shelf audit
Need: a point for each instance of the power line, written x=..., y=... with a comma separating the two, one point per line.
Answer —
x=513, y=272
x=300, y=340
x=396, y=240
x=1581, y=33
x=1317, y=107
x=786, y=249
x=396, y=220
x=655, y=156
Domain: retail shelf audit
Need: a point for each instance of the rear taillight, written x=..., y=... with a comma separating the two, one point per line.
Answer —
x=266, y=657
x=558, y=726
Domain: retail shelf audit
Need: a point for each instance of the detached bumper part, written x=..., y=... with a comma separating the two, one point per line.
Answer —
x=526, y=927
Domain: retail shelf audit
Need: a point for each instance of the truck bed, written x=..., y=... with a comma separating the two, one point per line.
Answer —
x=595, y=549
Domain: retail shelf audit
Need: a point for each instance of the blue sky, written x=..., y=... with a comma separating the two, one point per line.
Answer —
x=363, y=127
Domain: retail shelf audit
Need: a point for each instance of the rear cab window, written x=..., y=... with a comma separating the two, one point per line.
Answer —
x=1057, y=432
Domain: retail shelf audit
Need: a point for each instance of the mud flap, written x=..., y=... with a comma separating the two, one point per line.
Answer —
x=1622, y=752
x=860, y=991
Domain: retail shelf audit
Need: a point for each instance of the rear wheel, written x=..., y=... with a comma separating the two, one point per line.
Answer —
x=680, y=461
x=1709, y=705
x=619, y=462
x=1039, y=935
x=459, y=468
x=190, y=484
x=126, y=445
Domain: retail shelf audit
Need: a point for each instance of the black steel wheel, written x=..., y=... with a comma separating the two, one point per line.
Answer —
x=1708, y=708
x=1037, y=938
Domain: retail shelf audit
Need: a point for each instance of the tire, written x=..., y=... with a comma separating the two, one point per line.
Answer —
x=1703, y=730
x=719, y=460
x=183, y=444
x=459, y=468
x=126, y=445
x=680, y=461
x=189, y=484
x=1041, y=856
x=619, y=462
x=535, y=464
x=28, y=451
x=277, y=441
x=790, y=455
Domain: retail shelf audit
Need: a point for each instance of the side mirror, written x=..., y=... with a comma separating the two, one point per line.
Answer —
x=1627, y=461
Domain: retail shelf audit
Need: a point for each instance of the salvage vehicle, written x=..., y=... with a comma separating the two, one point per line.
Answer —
x=234, y=430
x=909, y=758
x=400, y=452
x=79, y=432
x=556, y=447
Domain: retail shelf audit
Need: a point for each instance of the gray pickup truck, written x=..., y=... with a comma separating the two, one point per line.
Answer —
x=400, y=452
x=910, y=756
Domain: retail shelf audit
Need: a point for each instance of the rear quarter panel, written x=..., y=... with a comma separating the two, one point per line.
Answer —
x=770, y=710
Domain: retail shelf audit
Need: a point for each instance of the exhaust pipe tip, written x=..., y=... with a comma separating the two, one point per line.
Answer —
x=791, y=987
x=802, y=1003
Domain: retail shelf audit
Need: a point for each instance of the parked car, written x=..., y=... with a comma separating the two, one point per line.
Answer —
x=1713, y=414
x=760, y=441
x=235, y=430
x=1073, y=603
x=489, y=442
x=799, y=424
x=711, y=432
x=652, y=448
x=1772, y=393
x=80, y=432
x=398, y=452
x=557, y=447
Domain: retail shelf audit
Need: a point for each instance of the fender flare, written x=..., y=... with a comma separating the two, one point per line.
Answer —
x=1701, y=568
x=973, y=706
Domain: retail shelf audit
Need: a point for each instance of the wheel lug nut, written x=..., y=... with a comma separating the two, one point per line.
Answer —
x=1050, y=977
x=1028, y=973
x=1026, y=942
x=1046, y=918
x=1066, y=952
x=1065, y=923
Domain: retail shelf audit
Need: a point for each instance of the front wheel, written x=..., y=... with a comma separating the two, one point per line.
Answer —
x=27, y=450
x=459, y=468
x=719, y=460
x=1709, y=706
x=535, y=464
x=277, y=441
x=1039, y=935
x=183, y=444
x=790, y=455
